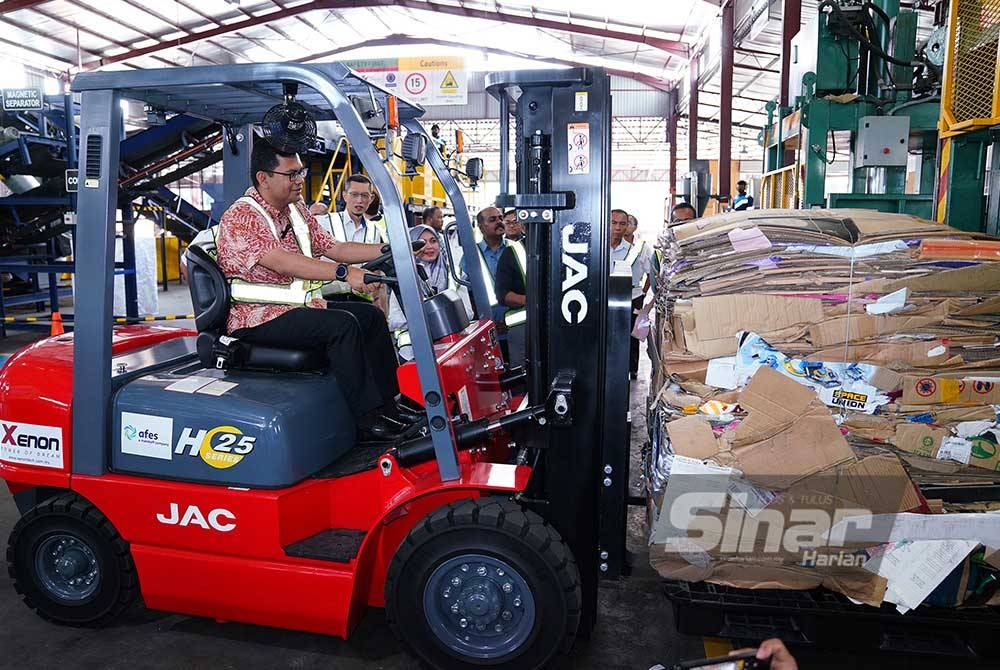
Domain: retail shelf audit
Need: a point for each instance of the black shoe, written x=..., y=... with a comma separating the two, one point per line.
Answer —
x=379, y=428
x=408, y=416
x=403, y=414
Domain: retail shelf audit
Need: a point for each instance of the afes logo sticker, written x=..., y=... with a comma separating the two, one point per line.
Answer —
x=147, y=435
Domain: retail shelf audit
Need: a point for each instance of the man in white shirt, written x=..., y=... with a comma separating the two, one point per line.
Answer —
x=638, y=257
x=350, y=225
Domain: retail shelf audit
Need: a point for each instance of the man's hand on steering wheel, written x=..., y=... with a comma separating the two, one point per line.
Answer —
x=356, y=278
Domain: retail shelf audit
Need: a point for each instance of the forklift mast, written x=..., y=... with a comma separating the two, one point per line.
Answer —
x=578, y=310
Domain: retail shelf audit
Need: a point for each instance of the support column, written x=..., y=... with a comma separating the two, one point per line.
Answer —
x=672, y=113
x=693, y=110
x=725, y=103
x=992, y=223
x=94, y=255
x=962, y=182
x=235, y=168
x=791, y=22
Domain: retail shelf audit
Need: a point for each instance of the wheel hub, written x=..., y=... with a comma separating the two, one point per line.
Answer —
x=479, y=606
x=67, y=567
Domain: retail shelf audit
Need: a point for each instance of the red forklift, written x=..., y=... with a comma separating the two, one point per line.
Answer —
x=152, y=461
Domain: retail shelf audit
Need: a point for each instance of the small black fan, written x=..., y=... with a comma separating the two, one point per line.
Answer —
x=289, y=127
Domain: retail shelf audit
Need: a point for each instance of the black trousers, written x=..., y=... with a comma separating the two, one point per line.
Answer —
x=633, y=344
x=357, y=343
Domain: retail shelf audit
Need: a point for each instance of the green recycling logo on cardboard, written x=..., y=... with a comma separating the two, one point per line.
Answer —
x=983, y=448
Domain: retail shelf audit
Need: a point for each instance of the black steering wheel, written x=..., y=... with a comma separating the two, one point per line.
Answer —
x=383, y=263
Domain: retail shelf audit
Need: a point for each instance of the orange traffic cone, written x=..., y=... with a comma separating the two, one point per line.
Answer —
x=57, y=325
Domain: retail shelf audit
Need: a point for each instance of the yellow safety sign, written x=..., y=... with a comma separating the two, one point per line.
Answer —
x=449, y=84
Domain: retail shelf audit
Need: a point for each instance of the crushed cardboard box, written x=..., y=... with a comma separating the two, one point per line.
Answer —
x=825, y=289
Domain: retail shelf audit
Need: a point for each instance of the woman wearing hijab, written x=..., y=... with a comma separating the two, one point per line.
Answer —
x=438, y=279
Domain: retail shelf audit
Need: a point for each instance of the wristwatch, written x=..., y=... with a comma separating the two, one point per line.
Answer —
x=341, y=272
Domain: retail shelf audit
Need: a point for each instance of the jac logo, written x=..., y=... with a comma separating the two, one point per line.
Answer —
x=28, y=440
x=218, y=519
x=574, y=273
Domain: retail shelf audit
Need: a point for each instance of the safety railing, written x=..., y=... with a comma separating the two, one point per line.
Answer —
x=342, y=173
x=970, y=95
x=779, y=188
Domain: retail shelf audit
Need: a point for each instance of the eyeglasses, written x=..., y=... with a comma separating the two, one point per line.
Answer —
x=292, y=175
x=358, y=196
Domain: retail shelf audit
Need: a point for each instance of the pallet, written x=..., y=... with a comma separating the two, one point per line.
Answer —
x=825, y=619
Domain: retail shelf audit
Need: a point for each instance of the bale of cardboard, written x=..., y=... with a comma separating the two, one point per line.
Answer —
x=822, y=368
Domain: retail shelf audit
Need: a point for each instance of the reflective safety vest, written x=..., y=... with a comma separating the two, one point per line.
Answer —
x=298, y=291
x=338, y=226
x=657, y=263
x=381, y=225
x=491, y=290
x=373, y=235
x=515, y=317
x=633, y=253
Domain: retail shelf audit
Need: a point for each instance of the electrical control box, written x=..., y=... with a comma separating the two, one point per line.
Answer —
x=882, y=141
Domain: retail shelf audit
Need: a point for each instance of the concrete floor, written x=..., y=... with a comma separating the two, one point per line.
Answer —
x=635, y=629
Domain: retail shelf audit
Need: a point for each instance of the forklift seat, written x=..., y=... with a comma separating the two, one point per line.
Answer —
x=210, y=300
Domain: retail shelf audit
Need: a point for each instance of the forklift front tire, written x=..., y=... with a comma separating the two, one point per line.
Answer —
x=69, y=563
x=484, y=583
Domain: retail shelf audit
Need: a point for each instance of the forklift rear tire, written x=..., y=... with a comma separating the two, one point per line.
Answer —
x=484, y=583
x=69, y=563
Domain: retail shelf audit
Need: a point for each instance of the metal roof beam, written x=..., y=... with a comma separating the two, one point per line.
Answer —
x=674, y=48
x=136, y=29
x=176, y=26
x=37, y=52
x=13, y=5
x=757, y=52
x=755, y=68
x=57, y=40
x=80, y=29
x=253, y=40
x=391, y=40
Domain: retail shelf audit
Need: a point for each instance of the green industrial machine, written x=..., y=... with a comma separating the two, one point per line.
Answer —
x=857, y=68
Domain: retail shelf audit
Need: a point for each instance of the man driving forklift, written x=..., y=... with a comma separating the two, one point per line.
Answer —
x=269, y=246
